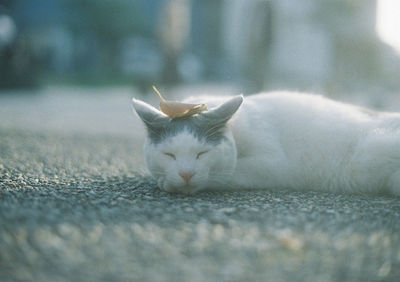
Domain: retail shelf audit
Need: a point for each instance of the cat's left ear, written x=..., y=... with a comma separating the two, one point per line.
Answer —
x=224, y=112
x=148, y=114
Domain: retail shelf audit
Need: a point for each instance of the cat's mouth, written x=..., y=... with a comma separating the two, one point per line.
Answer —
x=187, y=190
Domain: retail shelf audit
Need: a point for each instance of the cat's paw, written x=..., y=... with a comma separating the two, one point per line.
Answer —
x=163, y=185
x=161, y=182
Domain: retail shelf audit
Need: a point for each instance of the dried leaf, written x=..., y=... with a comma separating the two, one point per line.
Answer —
x=175, y=109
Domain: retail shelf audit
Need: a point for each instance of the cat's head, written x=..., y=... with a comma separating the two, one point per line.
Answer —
x=193, y=153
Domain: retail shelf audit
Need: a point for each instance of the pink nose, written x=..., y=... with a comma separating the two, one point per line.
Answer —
x=186, y=175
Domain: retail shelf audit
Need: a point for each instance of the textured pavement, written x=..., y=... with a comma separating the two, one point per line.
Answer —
x=76, y=206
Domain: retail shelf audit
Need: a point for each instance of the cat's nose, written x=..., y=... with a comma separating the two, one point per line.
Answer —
x=186, y=175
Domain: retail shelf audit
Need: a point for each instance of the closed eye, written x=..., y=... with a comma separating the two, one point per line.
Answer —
x=201, y=153
x=170, y=155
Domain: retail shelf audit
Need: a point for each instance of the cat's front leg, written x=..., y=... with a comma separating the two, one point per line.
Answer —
x=163, y=185
x=160, y=182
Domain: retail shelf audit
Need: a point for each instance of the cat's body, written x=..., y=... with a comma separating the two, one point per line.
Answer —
x=276, y=140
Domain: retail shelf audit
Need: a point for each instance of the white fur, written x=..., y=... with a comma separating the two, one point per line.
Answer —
x=288, y=140
x=212, y=169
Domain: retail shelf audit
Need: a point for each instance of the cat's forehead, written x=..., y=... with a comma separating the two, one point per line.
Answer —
x=193, y=128
x=184, y=139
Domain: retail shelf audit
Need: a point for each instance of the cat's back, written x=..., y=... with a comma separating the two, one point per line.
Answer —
x=293, y=113
x=292, y=104
x=291, y=108
x=300, y=111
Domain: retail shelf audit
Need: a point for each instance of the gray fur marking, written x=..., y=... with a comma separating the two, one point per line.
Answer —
x=201, y=128
x=208, y=126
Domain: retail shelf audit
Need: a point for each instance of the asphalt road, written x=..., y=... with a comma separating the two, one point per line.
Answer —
x=75, y=206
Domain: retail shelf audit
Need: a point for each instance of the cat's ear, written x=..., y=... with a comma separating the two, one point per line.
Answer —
x=224, y=112
x=148, y=114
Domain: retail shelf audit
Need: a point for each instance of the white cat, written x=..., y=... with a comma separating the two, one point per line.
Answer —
x=274, y=140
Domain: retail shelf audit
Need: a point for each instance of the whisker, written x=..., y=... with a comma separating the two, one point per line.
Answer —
x=215, y=127
x=153, y=131
x=227, y=173
x=161, y=173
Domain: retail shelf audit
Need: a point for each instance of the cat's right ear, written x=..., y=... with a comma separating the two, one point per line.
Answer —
x=221, y=114
x=148, y=114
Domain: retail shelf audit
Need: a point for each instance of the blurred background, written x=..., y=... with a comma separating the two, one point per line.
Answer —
x=345, y=49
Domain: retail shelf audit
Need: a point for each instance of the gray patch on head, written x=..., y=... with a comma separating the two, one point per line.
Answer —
x=207, y=126
x=201, y=128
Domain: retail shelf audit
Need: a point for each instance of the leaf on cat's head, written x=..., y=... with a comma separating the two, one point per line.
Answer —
x=175, y=109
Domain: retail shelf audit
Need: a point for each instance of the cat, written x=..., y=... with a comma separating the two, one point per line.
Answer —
x=274, y=140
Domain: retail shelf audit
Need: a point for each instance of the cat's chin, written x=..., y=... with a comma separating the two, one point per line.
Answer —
x=164, y=185
x=186, y=190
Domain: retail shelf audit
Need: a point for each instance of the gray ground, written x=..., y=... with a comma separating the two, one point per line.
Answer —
x=74, y=206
